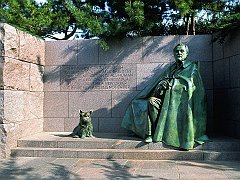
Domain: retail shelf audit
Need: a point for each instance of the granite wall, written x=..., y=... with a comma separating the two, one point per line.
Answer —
x=21, y=86
x=226, y=66
x=80, y=75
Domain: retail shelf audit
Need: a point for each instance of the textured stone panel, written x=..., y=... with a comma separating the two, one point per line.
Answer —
x=221, y=73
x=3, y=138
x=210, y=122
x=200, y=47
x=1, y=72
x=32, y=49
x=22, y=106
x=28, y=128
x=33, y=105
x=88, y=51
x=122, y=51
x=61, y=53
x=207, y=74
x=1, y=106
x=120, y=102
x=53, y=125
x=217, y=50
x=232, y=44
x=234, y=102
x=36, y=77
x=10, y=36
x=221, y=106
x=16, y=74
x=14, y=102
x=51, y=78
x=234, y=71
x=111, y=125
x=71, y=123
x=55, y=104
x=159, y=48
x=98, y=101
x=108, y=77
x=148, y=72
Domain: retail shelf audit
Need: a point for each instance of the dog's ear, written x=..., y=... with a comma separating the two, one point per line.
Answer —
x=80, y=111
x=91, y=111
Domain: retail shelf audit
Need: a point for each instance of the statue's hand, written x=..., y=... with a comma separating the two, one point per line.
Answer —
x=164, y=85
x=155, y=102
x=161, y=87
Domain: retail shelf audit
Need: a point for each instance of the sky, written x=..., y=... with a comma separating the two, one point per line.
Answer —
x=41, y=1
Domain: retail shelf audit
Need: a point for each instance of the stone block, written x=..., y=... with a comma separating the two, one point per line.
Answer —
x=16, y=74
x=71, y=123
x=98, y=77
x=56, y=104
x=122, y=51
x=31, y=49
x=120, y=102
x=98, y=101
x=234, y=71
x=227, y=145
x=101, y=154
x=207, y=74
x=27, y=128
x=148, y=72
x=210, y=120
x=51, y=78
x=1, y=72
x=1, y=106
x=36, y=77
x=61, y=53
x=86, y=143
x=159, y=49
x=33, y=105
x=232, y=44
x=22, y=153
x=234, y=104
x=221, y=73
x=221, y=156
x=88, y=51
x=221, y=106
x=14, y=102
x=163, y=155
x=217, y=50
x=55, y=153
x=111, y=125
x=53, y=125
x=200, y=47
x=3, y=138
x=10, y=38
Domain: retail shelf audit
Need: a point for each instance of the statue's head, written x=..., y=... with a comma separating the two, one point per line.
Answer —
x=181, y=52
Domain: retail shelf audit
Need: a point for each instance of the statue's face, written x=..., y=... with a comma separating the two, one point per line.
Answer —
x=180, y=53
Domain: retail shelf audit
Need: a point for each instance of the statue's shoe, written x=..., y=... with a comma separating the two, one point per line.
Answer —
x=148, y=139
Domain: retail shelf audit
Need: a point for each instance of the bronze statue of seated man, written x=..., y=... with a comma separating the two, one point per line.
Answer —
x=172, y=108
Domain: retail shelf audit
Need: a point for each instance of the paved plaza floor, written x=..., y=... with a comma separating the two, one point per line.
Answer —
x=73, y=168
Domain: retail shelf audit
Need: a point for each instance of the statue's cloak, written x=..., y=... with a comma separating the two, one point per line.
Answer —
x=182, y=118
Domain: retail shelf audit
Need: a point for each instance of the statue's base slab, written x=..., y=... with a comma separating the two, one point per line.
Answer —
x=120, y=146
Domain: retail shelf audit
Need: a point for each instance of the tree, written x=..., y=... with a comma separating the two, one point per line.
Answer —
x=107, y=19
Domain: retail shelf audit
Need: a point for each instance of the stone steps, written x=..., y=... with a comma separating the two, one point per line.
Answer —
x=119, y=146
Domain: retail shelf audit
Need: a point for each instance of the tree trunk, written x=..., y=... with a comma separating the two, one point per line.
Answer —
x=187, y=24
x=193, y=24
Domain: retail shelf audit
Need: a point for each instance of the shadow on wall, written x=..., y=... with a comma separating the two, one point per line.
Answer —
x=112, y=59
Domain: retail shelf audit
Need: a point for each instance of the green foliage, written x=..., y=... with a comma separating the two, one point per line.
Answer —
x=122, y=18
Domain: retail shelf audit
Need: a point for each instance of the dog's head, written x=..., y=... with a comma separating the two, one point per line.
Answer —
x=85, y=116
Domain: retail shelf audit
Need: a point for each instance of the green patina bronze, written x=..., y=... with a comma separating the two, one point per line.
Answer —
x=172, y=108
